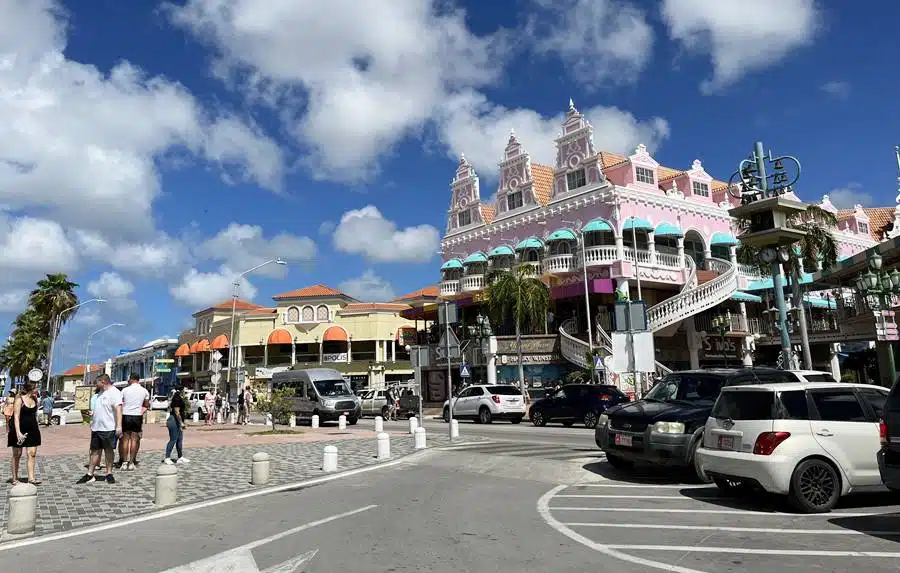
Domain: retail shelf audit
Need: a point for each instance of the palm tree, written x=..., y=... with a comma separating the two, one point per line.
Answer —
x=26, y=346
x=818, y=245
x=519, y=295
x=52, y=296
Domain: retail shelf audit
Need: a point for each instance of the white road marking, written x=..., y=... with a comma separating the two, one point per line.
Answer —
x=677, y=497
x=724, y=512
x=745, y=551
x=894, y=533
x=646, y=486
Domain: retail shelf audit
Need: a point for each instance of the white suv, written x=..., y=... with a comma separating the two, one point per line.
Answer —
x=484, y=404
x=811, y=441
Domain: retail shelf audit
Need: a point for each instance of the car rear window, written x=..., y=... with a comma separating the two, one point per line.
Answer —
x=504, y=390
x=818, y=377
x=745, y=405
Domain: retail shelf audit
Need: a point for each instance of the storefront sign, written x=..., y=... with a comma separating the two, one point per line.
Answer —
x=267, y=372
x=335, y=357
x=716, y=347
x=529, y=358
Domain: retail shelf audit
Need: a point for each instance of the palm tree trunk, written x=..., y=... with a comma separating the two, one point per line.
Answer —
x=519, y=352
x=797, y=296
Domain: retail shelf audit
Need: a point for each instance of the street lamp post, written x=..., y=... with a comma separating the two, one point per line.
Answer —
x=55, y=326
x=721, y=324
x=232, y=361
x=87, y=349
x=481, y=331
x=882, y=285
x=576, y=226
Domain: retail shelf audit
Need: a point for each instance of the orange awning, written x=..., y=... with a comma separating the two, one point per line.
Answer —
x=280, y=336
x=201, y=345
x=183, y=350
x=335, y=333
x=219, y=343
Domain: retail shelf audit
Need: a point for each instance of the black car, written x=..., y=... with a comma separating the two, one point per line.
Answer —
x=573, y=403
x=889, y=454
x=666, y=426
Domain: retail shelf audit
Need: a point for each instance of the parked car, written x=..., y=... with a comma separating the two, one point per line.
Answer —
x=65, y=409
x=665, y=427
x=374, y=402
x=159, y=403
x=576, y=403
x=889, y=431
x=484, y=404
x=812, y=442
x=197, y=403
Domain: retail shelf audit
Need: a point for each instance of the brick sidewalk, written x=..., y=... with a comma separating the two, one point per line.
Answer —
x=214, y=472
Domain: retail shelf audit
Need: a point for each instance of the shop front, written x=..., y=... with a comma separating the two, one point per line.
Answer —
x=542, y=364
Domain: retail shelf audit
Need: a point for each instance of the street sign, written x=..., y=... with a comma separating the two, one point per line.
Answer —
x=164, y=360
x=447, y=313
x=35, y=374
x=464, y=370
x=215, y=377
x=215, y=366
x=449, y=344
x=161, y=369
x=598, y=363
x=216, y=355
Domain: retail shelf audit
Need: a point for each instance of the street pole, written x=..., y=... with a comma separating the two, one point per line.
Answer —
x=637, y=266
x=87, y=349
x=587, y=297
x=449, y=369
x=56, y=325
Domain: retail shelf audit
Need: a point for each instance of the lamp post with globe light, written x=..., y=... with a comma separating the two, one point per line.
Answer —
x=882, y=286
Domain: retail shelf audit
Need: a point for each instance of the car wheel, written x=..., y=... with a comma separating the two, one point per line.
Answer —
x=590, y=419
x=696, y=472
x=732, y=486
x=619, y=463
x=815, y=486
x=537, y=418
x=352, y=421
x=54, y=421
x=384, y=412
x=447, y=415
x=484, y=415
x=515, y=420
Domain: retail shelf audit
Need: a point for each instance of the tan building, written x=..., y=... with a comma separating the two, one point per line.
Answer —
x=68, y=380
x=311, y=326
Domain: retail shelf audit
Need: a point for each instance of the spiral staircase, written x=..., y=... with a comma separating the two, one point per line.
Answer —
x=665, y=317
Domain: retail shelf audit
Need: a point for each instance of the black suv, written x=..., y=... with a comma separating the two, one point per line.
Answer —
x=576, y=403
x=666, y=426
x=889, y=455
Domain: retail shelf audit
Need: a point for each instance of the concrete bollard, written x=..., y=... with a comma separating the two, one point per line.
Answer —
x=330, y=459
x=233, y=418
x=454, y=428
x=342, y=422
x=62, y=419
x=166, y=485
x=413, y=424
x=218, y=417
x=196, y=417
x=268, y=419
x=420, y=438
x=315, y=421
x=22, y=509
x=259, y=469
x=379, y=424
x=293, y=421
x=384, y=446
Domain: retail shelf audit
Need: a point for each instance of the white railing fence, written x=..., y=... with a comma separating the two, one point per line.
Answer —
x=692, y=301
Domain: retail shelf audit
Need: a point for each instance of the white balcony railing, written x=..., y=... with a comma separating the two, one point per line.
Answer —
x=695, y=300
x=750, y=272
x=602, y=255
x=559, y=264
x=668, y=260
x=472, y=283
x=449, y=287
x=643, y=257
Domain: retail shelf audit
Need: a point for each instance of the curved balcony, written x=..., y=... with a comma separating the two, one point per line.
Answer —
x=472, y=283
x=449, y=288
x=559, y=264
x=602, y=255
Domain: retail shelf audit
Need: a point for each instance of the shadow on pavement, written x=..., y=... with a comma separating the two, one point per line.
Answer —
x=885, y=526
x=638, y=475
x=758, y=500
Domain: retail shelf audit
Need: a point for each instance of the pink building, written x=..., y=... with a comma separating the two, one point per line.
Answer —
x=630, y=219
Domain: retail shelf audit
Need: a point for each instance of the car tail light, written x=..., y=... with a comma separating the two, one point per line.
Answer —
x=495, y=398
x=883, y=431
x=605, y=397
x=768, y=441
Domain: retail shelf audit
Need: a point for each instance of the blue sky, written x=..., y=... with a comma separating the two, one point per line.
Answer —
x=153, y=150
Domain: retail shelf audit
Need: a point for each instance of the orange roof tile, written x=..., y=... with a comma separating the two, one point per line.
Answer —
x=79, y=370
x=608, y=159
x=261, y=311
x=427, y=292
x=314, y=291
x=879, y=219
x=666, y=173
x=543, y=182
x=487, y=213
x=239, y=305
x=364, y=306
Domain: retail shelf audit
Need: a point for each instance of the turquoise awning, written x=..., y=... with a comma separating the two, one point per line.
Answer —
x=530, y=243
x=741, y=296
x=597, y=226
x=637, y=224
x=476, y=257
x=723, y=240
x=817, y=302
x=668, y=230
x=766, y=284
x=502, y=251
x=562, y=235
x=452, y=264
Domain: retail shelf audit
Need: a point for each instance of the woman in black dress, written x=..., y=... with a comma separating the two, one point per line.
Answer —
x=24, y=432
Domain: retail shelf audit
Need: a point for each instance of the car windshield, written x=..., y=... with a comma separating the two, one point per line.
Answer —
x=332, y=387
x=696, y=388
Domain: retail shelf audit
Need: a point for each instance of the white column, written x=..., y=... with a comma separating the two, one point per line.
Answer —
x=651, y=246
x=679, y=243
x=747, y=350
x=349, y=349
x=693, y=342
x=492, y=360
x=835, y=363
x=620, y=248
x=393, y=350
x=293, y=353
x=707, y=253
x=266, y=354
x=732, y=254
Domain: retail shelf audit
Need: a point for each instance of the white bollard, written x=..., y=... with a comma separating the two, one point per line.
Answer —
x=315, y=421
x=166, y=485
x=379, y=424
x=454, y=428
x=62, y=419
x=2, y=421
x=384, y=446
x=218, y=417
x=196, y=416
x=268, y=419
x=22, y=509
x=420, y=438
x=330, y=459
x=293, y=421
x=342, y=422
x=233, y=418
x=413, y=424
x=259, y=469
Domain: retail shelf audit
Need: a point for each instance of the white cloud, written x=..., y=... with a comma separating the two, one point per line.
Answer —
x=87, y=317
x=114, y=288
x=739, y=38
x=161, y=254
x=366, y=232
x=355, y=81
x=837, y=89
x=201, y=289
x=13, y=301
x=327, y=227
x=34, y=246
x=480, y=129
x=243, y=247
x=850, y=195
x=600, y=41
x=368, y=287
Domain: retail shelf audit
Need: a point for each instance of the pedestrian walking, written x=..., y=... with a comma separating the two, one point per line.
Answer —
x=209, y=404
x=240, y=405
x=24, y=432
x=8, y=407
x=135, y=401
x=106, y=428
x=47, y=408
x=248, y=401
x=218, y=407
x=176, y=426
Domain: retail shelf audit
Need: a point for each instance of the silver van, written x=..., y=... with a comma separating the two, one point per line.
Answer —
x=319, y=391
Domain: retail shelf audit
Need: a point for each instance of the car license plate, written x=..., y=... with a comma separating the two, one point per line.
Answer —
x=726, y=442
x=622, y=440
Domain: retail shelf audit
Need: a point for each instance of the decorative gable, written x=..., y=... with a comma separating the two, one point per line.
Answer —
x=577, y=162
x=644, y=167
x=861, y=219
x=465, y=200
x=516, y=187
x=699, y=183
x=827, y=205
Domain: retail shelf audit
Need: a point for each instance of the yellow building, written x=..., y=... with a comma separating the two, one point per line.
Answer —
x=311, y=326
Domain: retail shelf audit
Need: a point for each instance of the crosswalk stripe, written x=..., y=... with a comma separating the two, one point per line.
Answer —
x=675, y=497
x=725, y=512
x=646, y=486
x=747, y=551
x=779, y=531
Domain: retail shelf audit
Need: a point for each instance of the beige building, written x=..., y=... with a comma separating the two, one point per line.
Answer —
x=311, y=326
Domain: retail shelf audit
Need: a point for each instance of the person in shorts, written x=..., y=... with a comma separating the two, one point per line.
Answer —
x=106, y=428
x=135, y=401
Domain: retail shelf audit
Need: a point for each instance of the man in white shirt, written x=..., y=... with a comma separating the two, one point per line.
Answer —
x=106, y=428
x=135, y=401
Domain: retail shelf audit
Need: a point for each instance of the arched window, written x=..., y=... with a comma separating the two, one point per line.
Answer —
x=293, y=315
x=563, y=248
x=309, y=315
x=532, y=256
x=322, y=313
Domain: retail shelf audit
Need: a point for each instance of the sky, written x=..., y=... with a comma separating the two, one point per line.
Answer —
x=155, y=150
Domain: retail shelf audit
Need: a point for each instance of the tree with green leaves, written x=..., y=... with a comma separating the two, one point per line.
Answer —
x=818, y=245
x=521, y=296
x=277, y=405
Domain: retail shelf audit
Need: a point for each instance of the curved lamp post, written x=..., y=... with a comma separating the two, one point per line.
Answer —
x=87, y=348
x=55, y=326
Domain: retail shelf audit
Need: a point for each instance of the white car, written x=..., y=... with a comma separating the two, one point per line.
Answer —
x=65, y=409
x=485, y=404
x=811, y=441
x=159, y=403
